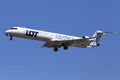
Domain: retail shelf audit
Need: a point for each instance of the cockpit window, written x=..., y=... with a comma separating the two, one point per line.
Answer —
x=14, y=28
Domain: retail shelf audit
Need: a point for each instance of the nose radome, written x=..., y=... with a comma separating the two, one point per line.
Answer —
x=7, y=32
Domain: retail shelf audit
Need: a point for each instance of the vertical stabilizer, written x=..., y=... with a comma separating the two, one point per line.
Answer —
x=98, y=35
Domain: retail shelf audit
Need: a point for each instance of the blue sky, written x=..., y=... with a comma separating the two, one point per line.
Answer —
x=22, y=59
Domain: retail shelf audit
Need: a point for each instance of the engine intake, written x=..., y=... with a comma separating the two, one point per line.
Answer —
x=85, y=37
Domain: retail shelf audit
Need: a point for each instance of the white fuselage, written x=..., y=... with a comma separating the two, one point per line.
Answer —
x=55, y=40
x=38, y=34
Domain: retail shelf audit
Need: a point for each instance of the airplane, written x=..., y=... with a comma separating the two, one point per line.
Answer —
x=55, y=40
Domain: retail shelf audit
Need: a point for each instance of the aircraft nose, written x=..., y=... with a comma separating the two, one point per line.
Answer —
x=7, y=32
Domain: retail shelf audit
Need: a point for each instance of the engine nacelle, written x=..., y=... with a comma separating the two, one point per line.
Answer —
x=85, y=37
x=93, y=44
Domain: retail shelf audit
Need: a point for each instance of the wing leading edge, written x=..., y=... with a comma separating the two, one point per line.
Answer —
x=73, y=42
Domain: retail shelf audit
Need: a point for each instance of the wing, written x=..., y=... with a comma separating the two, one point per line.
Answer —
x=73, y=42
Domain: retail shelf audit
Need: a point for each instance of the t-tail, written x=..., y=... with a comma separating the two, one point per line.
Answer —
x=97, y=36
